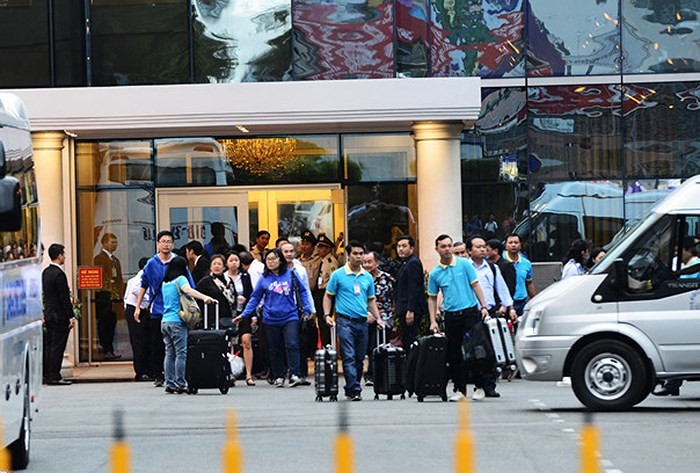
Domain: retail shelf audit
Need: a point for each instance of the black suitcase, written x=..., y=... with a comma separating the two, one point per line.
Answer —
x=207, y=361
x=478, y=346
x=427, y=367
x=388, y=368
x=326, y=371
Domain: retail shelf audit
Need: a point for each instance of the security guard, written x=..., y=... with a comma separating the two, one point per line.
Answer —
x=327, y=264
x=309, y=258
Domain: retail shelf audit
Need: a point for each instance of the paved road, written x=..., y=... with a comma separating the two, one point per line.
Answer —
x=532, y=428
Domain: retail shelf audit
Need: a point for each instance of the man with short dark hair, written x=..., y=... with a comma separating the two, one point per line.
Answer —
x=198, y=261
x=411, y=304
x=353, y=290
x=109, y=296
x=152, y=280
x=458, y=281
x=327, y=264
x=58, y=315
x=138, y=332
x=262, y=239
x=524, y=287
x=494, y=252
x=459, y=248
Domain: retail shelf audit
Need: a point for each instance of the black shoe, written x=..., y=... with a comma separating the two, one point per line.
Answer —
x=667, y=392
x=159, y=382
x=170, y=390
x=143, y=377
x=59, y=382
x=492, y=393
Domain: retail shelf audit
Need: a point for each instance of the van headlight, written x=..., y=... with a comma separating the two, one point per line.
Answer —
x=531, y=322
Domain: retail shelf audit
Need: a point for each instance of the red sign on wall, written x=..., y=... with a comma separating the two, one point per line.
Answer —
x=89, y=277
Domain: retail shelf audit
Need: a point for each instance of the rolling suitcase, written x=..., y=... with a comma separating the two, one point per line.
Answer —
x=506, y=341
x=493, y=327
x=478, y=347
x=326, y=371
x=429, y=365
x=207, y=361
x=388, y=368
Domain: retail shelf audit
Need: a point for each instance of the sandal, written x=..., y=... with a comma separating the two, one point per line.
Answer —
x=250, y=382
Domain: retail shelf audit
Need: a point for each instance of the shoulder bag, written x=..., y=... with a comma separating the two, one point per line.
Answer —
x=189, y=310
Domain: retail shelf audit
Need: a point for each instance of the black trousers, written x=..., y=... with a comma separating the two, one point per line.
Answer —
x=156, y=347
x=409, y=333
x=55, y=340
x=308, y=335
x=457, y=324
x=323, y=328
x=138, y=337
x=106, y=320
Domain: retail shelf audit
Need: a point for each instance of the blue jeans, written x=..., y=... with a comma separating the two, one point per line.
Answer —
x=353, y=347
x=283, y=337
x=175, y=340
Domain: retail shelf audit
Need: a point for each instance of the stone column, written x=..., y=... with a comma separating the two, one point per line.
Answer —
x=439, y=185
x=48, y=158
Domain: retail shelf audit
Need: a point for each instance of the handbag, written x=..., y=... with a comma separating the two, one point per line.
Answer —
x=189, y=310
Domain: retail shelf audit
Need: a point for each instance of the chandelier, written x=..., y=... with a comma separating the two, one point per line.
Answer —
x=263, y=156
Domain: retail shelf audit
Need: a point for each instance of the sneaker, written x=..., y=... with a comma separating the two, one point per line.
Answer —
x=279, y=383
x=159, y=382
x=458, y=396
x=478, y=395
x=355, y=397
x=294, y=381
x=169, y=390
x=305, y=382
x=369, y=382
x=492, y=393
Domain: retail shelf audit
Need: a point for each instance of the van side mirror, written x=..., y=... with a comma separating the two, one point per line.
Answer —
x=618, y=274
x=3, y=161
x=10, y=205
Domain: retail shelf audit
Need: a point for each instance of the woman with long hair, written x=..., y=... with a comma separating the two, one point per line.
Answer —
x=240, y=280
x=280, y=314
x=174, y=330
x=574, y=262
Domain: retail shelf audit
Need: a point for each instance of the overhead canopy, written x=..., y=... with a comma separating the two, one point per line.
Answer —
x=261, y=107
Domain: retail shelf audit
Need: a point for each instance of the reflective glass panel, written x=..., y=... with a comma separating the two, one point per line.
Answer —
x=343, y=39
x=140, y=42
x=290, y=159
x=24, y=36
x=114, y=163
x=661, y=36
x=242, y=40
x=641, y=195
x=491, y=211
x=574, y=132
x=128, y=214
x=570, y=37
x=191, y=161
x=69, y=22
x=562, y=212
x=496, y=148
x=203, y=224
x=478, y=38
x=379, y=213
x=412, y=37
x=372, y=158
x=661, y=130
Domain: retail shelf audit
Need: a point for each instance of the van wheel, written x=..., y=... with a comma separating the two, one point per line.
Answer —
x=608, y=375
x=19, y=449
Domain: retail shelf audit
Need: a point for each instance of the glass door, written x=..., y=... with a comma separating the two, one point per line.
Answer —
x=211, y=216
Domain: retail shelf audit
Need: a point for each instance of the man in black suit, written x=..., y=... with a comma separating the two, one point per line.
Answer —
x=194, y=252
x=411, y=303
x=58, y=315
x=108, y=299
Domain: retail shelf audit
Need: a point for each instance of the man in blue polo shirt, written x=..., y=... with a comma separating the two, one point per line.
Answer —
x=524, y=286
x=462, y=296
x=355, y=307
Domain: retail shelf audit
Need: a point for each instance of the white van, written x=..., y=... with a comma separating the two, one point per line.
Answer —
x=629, y=323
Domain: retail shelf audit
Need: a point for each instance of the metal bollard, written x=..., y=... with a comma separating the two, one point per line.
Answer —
x=5, y=458
x=464, y=441
x=590, y=445
x=343, y=444
x=232, y=452
x=120, y=455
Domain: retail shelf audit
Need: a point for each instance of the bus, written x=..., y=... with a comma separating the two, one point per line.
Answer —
x=21, y=348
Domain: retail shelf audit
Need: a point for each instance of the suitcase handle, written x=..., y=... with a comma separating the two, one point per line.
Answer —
x=216, y=315
x=333, y=336
x=381, y=331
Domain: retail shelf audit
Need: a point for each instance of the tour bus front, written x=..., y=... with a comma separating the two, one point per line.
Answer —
x=629, y=323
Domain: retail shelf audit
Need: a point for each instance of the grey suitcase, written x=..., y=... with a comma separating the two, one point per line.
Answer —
x=326, y=371
x=507, y=340
x=501, y=341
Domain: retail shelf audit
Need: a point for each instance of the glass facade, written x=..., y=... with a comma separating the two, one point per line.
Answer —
x=107, y=42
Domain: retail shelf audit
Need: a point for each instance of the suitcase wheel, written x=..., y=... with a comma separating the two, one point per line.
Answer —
x=403, y=396
x=376, y=397
x=192, y=390
x=389, y=397
x=319, y=399
x=444, y=397
x=224, y=389
x=334, y=399
x=420, y=398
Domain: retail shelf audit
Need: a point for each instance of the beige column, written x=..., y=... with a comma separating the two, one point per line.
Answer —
x=439, y=185
x=48, y=156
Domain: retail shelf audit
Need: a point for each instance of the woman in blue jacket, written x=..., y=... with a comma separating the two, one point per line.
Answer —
x=279, y=289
